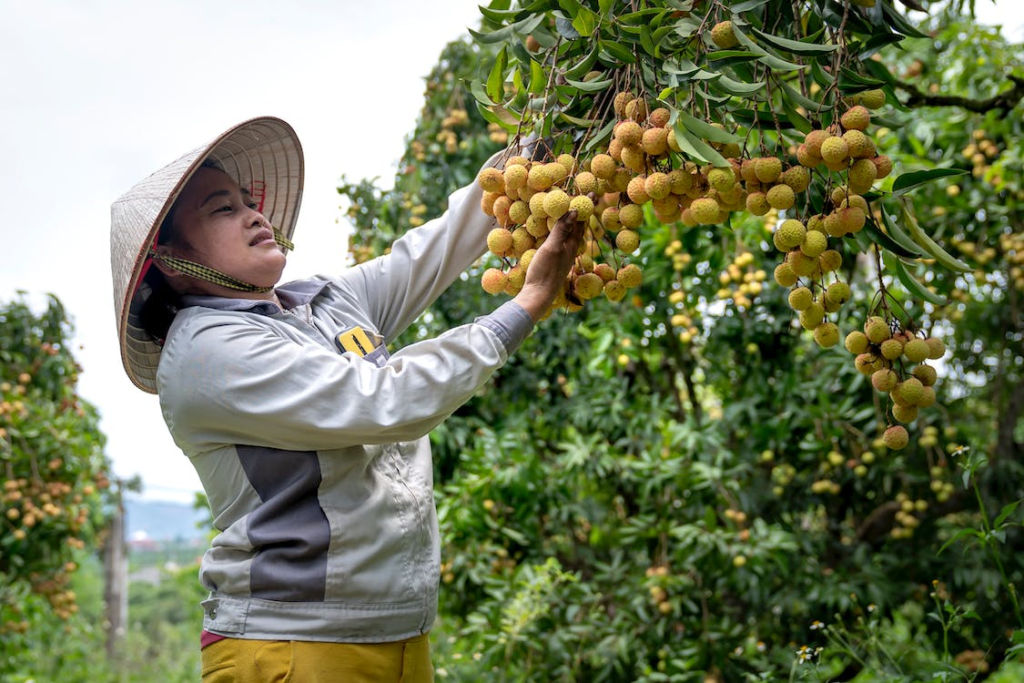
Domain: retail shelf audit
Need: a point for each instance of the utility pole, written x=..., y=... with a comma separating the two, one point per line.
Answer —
x=115, y=578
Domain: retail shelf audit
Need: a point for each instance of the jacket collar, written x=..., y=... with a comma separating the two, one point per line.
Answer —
x=290, y=295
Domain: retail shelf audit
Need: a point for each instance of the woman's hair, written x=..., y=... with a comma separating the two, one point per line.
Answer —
x=163, y=302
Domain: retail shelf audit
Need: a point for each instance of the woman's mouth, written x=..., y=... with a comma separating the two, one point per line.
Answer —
x=262, y=237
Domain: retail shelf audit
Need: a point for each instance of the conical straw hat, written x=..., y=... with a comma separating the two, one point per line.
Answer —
x=263, y=155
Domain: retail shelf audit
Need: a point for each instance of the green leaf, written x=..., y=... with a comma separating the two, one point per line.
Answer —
x=684, y=67
x=822, y=77
x=584, y=66
x=765, y=56
x=896, y=234
x=518, y=52
x=914, y=287
x=909, y=181
x=798, y=99
x=716, y=101
x=585, y=22
x=659, y=38
x=476, y=88
x=499, y=16
x=796, y=118
x=639, y=17
x=705, y=130
x=733, y=55
x=795, y=46
x=738, y=88
x=926, y=242
x=517, y=79
x=762, y=117
x=957, y=536
x=698, y=75
x=496, y=80
x=577, y=121
x=566, y=29
x=504, y=35
x=880, y=71
x=747, y=6
x=852, y=82
x=618, y=51
x=491, y=115
x=590, y=86
x=646, y=42
x=833, y=13
x=687, y=27
x=1007, y=510
x=697, y=148
x=600, y=136
x=538, y=79
x=865, y=49
x=510, y=118
x=897, y=21
x=779, y=64
x=499, y=36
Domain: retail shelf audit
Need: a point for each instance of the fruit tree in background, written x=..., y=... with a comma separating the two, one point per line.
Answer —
x=53, y=470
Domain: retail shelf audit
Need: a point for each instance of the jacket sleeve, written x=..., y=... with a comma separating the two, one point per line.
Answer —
x=224, y=380
x=397, y=287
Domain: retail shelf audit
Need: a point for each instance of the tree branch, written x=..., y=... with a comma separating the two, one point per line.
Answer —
x=1005, y=100
x=1007, y=447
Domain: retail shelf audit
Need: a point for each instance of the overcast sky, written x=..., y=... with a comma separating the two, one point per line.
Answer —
x=97, y=94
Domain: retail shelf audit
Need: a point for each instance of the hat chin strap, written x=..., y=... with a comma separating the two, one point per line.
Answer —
x=207, y=274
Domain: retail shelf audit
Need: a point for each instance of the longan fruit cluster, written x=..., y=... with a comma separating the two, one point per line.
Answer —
x=637, y=175
x=447, y=136
x=527, y=198
x=980, y=152
x=741, y=281
x=886, y=354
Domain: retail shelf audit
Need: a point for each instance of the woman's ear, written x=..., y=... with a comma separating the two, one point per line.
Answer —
x=167, y=271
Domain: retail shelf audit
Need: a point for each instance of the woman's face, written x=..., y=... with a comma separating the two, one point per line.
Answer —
x=217, y=225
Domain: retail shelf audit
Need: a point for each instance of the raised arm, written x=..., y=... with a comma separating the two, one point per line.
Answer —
x=398, y=286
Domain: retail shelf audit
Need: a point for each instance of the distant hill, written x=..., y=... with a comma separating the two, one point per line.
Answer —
x=160, y=520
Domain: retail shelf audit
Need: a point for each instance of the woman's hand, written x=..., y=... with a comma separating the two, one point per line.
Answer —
x=545, y=277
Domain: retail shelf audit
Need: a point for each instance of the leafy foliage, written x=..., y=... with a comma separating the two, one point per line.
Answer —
x=161, y=642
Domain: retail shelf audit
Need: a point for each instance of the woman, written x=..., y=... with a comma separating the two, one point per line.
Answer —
x=309, y=438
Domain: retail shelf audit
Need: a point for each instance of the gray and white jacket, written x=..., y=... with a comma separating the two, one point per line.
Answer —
x=311, y=440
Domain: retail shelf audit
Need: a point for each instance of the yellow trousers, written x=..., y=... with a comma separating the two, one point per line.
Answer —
x=236, y=660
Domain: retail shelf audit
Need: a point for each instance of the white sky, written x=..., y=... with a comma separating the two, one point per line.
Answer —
x=97, y=94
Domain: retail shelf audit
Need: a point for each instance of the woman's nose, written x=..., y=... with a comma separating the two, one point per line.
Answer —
x=258, y=219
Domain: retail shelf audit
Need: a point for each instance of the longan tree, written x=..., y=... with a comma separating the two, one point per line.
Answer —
x=685, y=483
